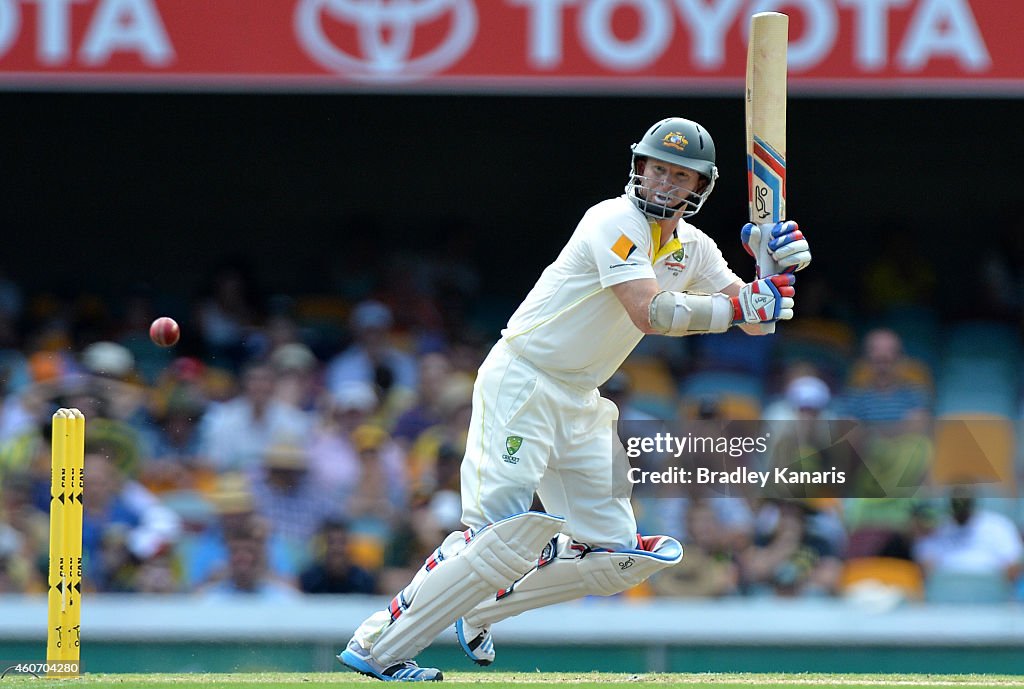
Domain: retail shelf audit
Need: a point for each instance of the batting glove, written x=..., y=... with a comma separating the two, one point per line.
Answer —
x=766, y=300
x=786, y=244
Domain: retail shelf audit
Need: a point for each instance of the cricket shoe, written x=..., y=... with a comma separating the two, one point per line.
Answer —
x=477, y=642
x=360, y=660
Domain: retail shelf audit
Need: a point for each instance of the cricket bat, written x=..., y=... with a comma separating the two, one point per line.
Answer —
x=766, y=129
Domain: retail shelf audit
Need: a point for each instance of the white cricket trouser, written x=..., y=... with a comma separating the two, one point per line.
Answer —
x=533, y=433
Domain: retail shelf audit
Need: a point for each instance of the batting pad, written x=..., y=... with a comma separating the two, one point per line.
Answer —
x=576, y=572
x=494, y=557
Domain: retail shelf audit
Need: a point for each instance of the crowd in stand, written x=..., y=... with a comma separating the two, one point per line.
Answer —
x=270, y=458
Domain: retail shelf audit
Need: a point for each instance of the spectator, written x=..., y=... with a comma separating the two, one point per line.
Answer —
x=886, y=386
x=709, y=568
x=14, y=378
x=182, y=374
x=374, y=508
x=372, y=358
x=138, y=312
x=434, y=459
x=227, y=313
x=890, y=394
x=414, y=538
x=884, y=527
x=806, y=397
x=971, y=541
x=296, y=369
x=822, y=336
x=120, y=441
x=890, y=280
x=110, y=375
x=333, y=570
x=334, y=459
x=801, y=437
x=281, y=328
x=24, y=535
x=123, y=525
x=203, y=552
x=175, y=462
x=159, y=575
x=291, y=499
x=17, y=575
x=107, y=391
x=235, y=435
x=435, y=368
x=248, y=574
x=787, y=558
x=28, y=453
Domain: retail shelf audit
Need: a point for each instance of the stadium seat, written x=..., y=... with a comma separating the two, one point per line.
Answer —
x=324, y=320
x=831, y=362
x=974, y=448
x=717, y=383
x=323, y=308
x=980, y=384
x=961, y=587
x=827, y=332
x=367, y=551
x=728, y=407
x=735, y=396
x=659, y=407
x=735, y=351
x=983, y=338
x=959, y=401
x=649, y=376
x=888, y=571
x=739, y=407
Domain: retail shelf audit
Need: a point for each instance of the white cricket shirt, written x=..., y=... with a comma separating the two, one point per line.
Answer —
x=572, y=326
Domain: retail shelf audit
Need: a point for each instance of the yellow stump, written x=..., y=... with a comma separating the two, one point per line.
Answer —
x=67, y=482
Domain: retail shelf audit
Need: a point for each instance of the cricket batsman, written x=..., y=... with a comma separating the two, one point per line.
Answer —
x=634, y=266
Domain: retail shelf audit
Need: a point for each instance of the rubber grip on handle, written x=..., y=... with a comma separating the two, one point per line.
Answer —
x=766, y=265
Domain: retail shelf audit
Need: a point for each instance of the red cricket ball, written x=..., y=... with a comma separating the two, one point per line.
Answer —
x=164, y=331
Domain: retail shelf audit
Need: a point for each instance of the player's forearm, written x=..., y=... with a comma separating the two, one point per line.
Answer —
x=680, y=313
x=635, y=296
x=655, y=311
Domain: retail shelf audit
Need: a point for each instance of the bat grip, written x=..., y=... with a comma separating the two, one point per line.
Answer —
x=766, y=265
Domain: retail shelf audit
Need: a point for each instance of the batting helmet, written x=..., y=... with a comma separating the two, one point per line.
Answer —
x=677, y=141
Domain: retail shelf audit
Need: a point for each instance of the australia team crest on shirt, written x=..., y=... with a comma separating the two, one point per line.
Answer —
x=512, y=445
x=676, y=261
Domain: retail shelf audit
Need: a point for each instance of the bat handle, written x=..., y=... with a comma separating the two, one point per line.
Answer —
x=766, y=265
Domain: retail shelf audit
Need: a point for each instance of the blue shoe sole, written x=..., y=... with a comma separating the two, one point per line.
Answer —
x=461, y=636
x=354, y=662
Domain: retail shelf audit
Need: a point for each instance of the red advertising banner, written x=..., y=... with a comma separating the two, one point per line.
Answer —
x=897, y=47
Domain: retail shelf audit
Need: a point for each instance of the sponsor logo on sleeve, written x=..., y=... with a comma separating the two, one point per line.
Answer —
x=623, y=247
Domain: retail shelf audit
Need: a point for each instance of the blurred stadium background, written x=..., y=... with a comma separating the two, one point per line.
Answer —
x=342, y=222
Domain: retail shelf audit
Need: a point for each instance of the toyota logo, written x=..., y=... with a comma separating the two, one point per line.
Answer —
x=385, y=33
